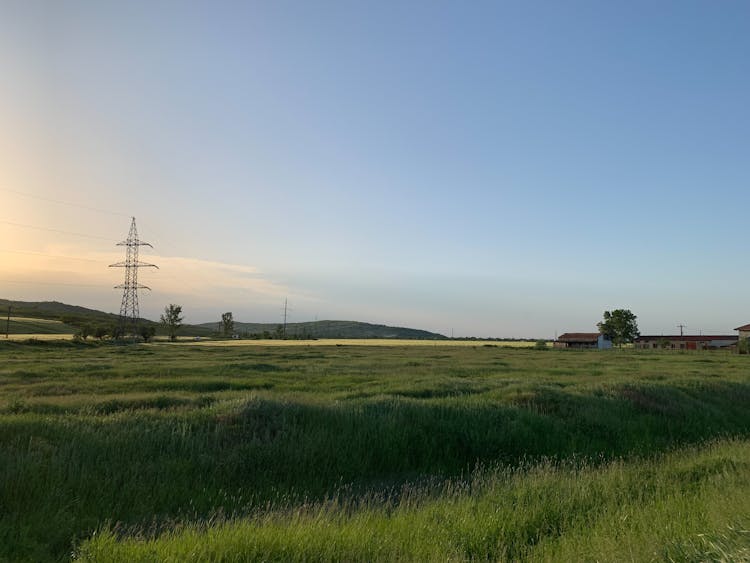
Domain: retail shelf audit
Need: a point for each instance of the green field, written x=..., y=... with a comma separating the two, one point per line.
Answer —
x=389, y=342
x=248, y=453
x=26, y=326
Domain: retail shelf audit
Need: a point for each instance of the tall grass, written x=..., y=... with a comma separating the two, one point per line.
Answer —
x=691, y=505
x=159, y=437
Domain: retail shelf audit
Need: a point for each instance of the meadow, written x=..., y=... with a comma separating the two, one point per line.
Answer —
x=388, y=342
x=177, y=452
x=28, y=327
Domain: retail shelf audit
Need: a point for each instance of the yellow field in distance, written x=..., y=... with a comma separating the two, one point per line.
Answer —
x=320, y=342
x=360, y=342
x=36, y=336
x=33, y=320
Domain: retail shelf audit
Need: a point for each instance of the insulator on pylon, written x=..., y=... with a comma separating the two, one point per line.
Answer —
x=129, y=313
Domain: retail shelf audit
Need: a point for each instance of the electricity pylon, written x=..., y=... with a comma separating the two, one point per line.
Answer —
x=129, y=313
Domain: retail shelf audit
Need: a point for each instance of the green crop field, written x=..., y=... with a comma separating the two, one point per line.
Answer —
x=180, y=452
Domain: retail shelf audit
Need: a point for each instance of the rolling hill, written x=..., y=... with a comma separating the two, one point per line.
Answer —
x=331, y=329
x=30, y=315
x=54, y=310
x=31, y=325
x=69, y=318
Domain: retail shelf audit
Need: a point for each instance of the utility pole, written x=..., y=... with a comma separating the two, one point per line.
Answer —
x=285, y=311
x=7, y=324
x=129, y=313
x=681, y=327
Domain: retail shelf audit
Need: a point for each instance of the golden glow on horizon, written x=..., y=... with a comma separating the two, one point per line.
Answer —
x=31, y=272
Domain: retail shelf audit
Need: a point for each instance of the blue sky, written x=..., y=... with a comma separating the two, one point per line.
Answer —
x=491, y=168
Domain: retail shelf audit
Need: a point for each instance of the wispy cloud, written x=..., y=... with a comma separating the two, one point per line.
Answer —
x=58, y=271
x=189, y=276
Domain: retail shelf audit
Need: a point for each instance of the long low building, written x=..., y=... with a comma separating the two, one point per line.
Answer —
x=583, y=340
x=687, y=342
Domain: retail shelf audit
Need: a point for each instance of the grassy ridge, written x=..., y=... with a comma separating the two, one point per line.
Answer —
x=156, y=436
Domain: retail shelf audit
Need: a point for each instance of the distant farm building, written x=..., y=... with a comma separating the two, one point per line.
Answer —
x=744, y=331
x=688, y=342
x=583, y=340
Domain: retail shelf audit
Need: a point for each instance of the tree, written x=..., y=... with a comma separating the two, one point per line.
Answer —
x=172, y=320
x=147, y=332
x=619, y=326
x=116, y=331
x=227, y=324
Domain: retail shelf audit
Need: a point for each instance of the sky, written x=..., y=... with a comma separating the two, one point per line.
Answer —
x=502, y=169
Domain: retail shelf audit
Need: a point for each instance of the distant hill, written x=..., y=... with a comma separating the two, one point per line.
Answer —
x=33, y=325
x=331, y=329
x=70, y=317
x=54, y=310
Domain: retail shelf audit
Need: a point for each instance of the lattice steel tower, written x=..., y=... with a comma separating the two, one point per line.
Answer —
x=129, y=313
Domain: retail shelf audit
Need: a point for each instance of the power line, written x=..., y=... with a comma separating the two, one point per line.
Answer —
x=177, y=254
x=54, y=230
x=61, y=202
x=181, y=279
x=162, y=239
x=30, y=282
x=48, y=229
x=286, y=310
x=51, y=255
x=63, y=257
